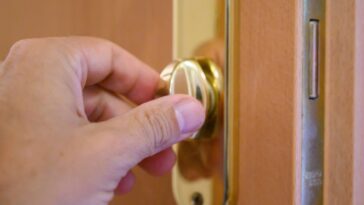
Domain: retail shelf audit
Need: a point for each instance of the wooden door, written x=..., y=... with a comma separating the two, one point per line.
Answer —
x=138, y=26
x=270, y=99
x=270, y=86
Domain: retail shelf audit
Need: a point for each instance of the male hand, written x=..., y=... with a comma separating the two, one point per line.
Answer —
x=68, y=132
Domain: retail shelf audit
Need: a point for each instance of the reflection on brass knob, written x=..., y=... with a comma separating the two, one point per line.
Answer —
x=202, y=79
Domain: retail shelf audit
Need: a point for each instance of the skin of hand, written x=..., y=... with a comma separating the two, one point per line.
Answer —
x=68, y=132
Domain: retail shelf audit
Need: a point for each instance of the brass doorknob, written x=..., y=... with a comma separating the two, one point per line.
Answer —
x=200, y=78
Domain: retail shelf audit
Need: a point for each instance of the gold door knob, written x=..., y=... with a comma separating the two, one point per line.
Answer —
x=200, y=78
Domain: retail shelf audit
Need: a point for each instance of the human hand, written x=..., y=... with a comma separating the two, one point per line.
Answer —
x=67, y=136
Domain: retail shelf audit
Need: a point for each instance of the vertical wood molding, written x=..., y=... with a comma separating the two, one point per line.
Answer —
x=359, y=106
x=268, y=92
x=297, y=149
x=344, y=147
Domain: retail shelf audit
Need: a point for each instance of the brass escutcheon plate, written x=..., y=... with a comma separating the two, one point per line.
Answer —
x=205, y=42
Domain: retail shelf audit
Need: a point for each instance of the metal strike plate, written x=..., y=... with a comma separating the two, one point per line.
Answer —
x=313, y=102
x=205, y=67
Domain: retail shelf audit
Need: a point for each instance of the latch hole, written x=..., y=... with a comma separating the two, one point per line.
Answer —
x=197, y=199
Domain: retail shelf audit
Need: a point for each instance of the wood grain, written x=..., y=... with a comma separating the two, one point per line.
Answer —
x=359, y=106
x=268, y=90
x=344, y=145
x=270, y=79
x=269, y=85
x=142, y=27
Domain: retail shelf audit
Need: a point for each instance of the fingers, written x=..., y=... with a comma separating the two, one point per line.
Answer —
x=105, y=63
x=156, y=165
x=159, y=163
x=149, y=128
x=126, y=183
x=92, y=61
x=102, y=105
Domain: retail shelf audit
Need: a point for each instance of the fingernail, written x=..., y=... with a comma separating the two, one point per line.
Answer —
x=190, y=115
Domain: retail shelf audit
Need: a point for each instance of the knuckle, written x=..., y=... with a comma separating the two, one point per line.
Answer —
x=19, y=51
x=38, y=45
x=31, y=49
x=21, y=46
x=23, y=42
x=42, y=51
x=157, y=126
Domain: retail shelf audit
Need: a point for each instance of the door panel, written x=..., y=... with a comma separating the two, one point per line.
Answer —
x=344, y=160
x=359, y=106
x=270, y=138
x=137, y=26
x=270, y=86
x=269, y=101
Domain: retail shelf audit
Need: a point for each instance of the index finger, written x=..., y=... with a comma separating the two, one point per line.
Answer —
x=103, y=62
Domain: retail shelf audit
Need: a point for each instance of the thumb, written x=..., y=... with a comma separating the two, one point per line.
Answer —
x=150, y=127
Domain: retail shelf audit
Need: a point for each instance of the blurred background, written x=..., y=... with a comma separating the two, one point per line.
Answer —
x=142, y=27
x=138, y=26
